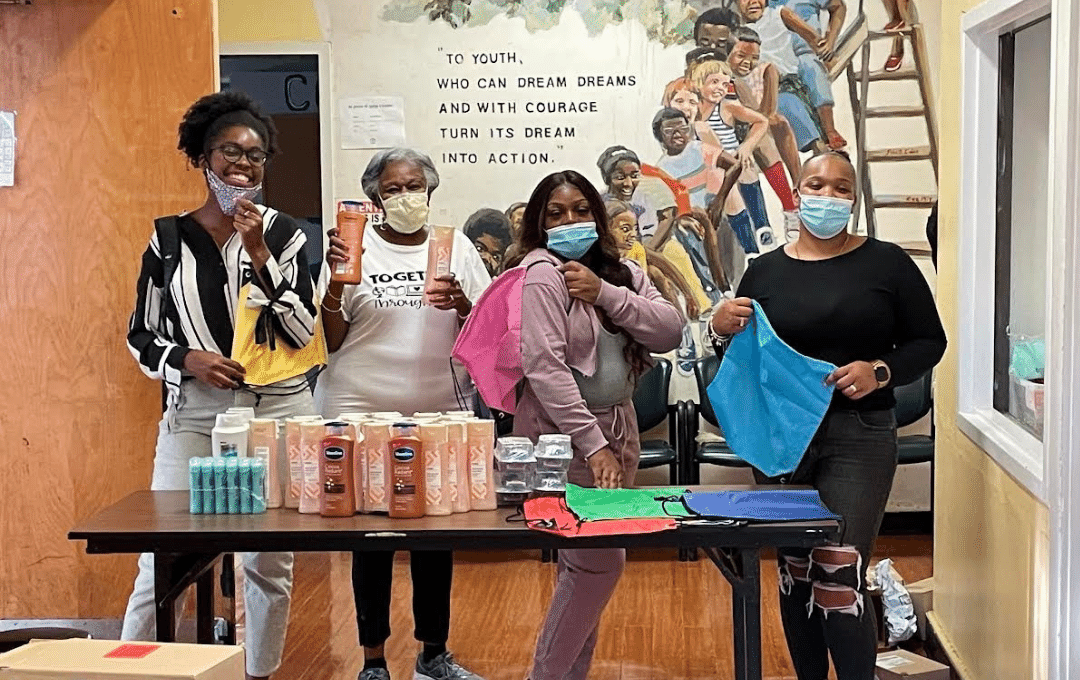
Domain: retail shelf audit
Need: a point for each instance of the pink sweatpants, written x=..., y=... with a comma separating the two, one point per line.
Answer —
x=586, y=578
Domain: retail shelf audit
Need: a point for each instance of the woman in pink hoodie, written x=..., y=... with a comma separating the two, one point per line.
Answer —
x=591, y=322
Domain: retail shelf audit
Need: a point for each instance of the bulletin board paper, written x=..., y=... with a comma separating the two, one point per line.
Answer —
x=372, y=122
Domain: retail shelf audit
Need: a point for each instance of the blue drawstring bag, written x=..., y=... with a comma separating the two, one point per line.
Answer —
x=769, y=400
x=759, y=506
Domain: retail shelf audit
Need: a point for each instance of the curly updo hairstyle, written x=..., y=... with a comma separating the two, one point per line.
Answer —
x=215, y=113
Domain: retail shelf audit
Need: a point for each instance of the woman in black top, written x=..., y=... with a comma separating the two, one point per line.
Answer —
x=864, y=306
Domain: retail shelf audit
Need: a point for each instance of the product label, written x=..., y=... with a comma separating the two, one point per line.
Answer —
x=404, y=453
x=434, y=477
x=334, y=453
x=376, y=478
x=478, y=471
x=451, y=476
x=442, y=260
x=311, y=478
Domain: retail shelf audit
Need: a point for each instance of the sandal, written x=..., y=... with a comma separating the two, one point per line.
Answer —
x=894, y=62
x=896, y=25
x=837, y=142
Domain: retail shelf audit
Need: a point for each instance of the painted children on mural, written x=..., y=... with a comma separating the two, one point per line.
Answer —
x=682, y=95
x=682, y=291
x=699, y=168
x=714, y=29
x=899, y=18
x=621, y=170
x=811, y=69
x=777, y=28
x=489, y=230
x=722, y=111
x=514, y=213
x=757, y=84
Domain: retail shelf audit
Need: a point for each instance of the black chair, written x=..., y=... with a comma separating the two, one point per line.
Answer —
x=913, y=402
x=713, y=452
x=651, y=405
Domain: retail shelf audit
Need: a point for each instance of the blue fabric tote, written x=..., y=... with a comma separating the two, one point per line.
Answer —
x=760, y=506
x=768, y=398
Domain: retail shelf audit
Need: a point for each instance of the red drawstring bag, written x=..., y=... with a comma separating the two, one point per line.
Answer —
x=550, y=514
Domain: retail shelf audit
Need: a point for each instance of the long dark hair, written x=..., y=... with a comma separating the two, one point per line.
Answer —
x=602, y=258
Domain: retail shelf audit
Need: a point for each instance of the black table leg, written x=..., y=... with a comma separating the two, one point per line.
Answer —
x=742, y=569
x=173, y=574
x=204, y=608
x=164, y=597
x=746, y=615
x=228, y=592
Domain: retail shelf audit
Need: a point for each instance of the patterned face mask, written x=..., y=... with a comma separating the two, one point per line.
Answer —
x=226, y=194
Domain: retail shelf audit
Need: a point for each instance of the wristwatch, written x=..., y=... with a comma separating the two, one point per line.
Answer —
x=881, y=373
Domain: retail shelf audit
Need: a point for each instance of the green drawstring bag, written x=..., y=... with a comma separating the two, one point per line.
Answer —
x=594, y=504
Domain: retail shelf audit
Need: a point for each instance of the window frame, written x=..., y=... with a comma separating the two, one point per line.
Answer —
x=1016, y=450
x=1051, y=472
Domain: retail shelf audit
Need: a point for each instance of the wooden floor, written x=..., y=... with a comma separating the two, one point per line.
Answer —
x=668, y=620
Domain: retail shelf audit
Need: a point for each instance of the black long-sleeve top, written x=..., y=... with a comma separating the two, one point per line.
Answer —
x=868, y=304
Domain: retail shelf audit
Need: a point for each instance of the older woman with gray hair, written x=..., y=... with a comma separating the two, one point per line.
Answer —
x=391, y=352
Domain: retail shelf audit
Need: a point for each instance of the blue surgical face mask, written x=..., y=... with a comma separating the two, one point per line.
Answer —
x=824, y=216
x=572, y=240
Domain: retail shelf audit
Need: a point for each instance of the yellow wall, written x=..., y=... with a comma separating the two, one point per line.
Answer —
x=268, y=21
x=991, y=536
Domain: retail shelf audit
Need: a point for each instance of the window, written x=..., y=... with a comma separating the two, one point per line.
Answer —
x=1021, y=225
x=1008, y=237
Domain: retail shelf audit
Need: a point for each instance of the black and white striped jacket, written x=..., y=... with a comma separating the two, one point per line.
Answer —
x=206, y=289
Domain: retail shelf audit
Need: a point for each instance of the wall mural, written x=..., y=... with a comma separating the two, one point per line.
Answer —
x=697, y=155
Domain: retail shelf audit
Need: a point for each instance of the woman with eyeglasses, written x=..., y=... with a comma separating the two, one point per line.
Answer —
x=182, y=329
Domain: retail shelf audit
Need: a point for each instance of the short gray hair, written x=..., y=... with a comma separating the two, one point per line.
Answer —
x=369, y=181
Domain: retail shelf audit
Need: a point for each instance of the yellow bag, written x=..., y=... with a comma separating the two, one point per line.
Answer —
x=273, y=360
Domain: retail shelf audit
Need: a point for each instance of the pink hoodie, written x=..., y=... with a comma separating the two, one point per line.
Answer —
x=559, y=333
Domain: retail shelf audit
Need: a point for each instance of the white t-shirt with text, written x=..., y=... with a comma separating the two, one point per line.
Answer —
x=396, y=354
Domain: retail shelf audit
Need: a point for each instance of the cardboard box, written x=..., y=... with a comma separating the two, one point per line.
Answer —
x=903, y=665
x=112, y=660
x=922, y=599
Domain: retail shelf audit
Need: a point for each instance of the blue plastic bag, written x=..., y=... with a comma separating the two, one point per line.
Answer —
x=768, y=398
x=761, y=506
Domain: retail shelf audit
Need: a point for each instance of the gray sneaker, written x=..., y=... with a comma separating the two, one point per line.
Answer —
x=374, y=674
x=442, y=667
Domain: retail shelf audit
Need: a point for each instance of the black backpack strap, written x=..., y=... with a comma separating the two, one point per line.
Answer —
x=168, y=235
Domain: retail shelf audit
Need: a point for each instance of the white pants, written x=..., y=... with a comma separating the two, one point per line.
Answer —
x=184, y=433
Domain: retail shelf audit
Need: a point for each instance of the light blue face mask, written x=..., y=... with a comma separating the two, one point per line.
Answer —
x=572, y=241
x=824, y=216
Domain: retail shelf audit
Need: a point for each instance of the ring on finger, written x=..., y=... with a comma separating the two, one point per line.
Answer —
x=852, y=389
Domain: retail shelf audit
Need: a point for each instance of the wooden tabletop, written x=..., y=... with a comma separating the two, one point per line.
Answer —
x=148, y=521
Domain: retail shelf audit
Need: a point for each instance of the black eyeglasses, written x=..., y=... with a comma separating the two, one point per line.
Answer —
x=234, y=153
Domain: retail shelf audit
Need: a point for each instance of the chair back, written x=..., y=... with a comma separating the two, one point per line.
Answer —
x=914, y=400
x=651, y=395
x=705, y=370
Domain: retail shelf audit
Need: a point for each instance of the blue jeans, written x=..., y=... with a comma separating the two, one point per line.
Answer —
x=851, y=462
x=695, y=248
x=812, y=72
x=800, y=118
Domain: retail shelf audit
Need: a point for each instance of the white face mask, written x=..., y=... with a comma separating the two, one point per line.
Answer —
x=407, y=213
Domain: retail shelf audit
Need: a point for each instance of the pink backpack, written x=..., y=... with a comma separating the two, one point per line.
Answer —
x=489, y=345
